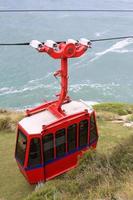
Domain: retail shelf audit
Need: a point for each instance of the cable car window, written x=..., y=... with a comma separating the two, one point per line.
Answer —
x=48, y=147
x=93, y=130
x=72, y=137
x=83, y=133
x=60, y=141
x=21, y=147
x=34, y=153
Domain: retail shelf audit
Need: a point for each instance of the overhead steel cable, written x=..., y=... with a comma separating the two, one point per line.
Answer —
x=58, y=42
x=15, y=44
x=65, y=10
x=113, y=38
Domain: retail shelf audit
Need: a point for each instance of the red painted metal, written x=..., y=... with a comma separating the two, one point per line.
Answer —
x=63, y=51
x=59, y=166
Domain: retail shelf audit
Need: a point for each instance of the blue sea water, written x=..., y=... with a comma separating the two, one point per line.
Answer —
x=104, y=73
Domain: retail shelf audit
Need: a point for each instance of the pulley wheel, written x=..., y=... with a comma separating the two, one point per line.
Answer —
x=69, y=50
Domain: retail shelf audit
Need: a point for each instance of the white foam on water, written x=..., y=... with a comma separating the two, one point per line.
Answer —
x=49, y=74
x=114, y=48
x=76, y=87
x=104, y=87
x=3, y=89
x=73, y=87
x=79, y=62
x=13, y=90
x=98, y=34
x=31, y=85
x=123, y=51
x=37, y=80
x=82, y=62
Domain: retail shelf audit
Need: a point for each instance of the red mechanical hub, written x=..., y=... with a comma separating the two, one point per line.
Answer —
x=69, y=50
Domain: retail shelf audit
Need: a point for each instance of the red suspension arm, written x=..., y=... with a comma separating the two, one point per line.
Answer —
x=63, y=51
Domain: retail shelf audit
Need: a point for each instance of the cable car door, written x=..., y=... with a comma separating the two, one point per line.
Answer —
x=58, y=155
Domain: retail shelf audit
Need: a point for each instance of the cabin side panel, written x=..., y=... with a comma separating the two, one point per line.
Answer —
x=62, y=145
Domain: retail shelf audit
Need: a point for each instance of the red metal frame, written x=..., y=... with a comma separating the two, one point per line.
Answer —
x=64, y=51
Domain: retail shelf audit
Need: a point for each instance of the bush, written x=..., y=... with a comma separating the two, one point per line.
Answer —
x=5, y=124
x=9, y=119
x=3, y=111
x=130, y=118
x=117, y=108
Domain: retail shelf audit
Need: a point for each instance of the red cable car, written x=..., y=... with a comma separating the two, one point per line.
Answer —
x=53, y=135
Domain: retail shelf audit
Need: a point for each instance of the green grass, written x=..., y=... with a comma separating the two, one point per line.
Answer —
x=101, y=174
x=13, y=185
x=111, y=134
x=104, y=174
x=117, y=108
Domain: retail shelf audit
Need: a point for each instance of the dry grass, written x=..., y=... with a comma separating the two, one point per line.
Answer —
x=9, y=119
x=107, y=116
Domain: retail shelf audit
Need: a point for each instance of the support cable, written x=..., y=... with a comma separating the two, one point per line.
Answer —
x=66, y=10
x=93, y=40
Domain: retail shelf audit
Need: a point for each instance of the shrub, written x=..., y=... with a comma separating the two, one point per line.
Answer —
x=117, y=108
x=130, y=118
x=5, y=124
x=3, y=111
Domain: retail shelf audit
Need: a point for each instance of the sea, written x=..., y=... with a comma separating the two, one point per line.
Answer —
x=103, y=74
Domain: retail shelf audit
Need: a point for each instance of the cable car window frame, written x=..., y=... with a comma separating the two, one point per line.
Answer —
x=93, y=129
x=70, y=140
x=19, y=144
x=59, y=142
x=82, y=133
x=31, y=160
x=48, y=149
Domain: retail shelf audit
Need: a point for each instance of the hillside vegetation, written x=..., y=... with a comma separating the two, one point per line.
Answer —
x=103, y=174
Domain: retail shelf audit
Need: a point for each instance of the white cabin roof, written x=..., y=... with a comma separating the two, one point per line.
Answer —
x=33, y=124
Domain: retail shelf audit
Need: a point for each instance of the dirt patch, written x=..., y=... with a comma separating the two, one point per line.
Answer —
x=124, y=119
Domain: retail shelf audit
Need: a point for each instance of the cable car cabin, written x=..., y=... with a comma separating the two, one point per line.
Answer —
x=52, y=136
x=51, y=146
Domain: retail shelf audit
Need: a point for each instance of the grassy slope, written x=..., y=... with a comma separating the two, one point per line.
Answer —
x=12, y=184
x=104, y=174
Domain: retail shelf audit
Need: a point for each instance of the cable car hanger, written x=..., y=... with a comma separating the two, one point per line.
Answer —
x=58, y=42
